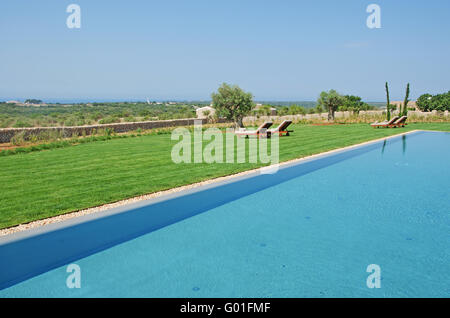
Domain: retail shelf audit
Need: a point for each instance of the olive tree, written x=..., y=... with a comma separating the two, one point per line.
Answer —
x=424, y=102
x=331, y=101
x=232, y=103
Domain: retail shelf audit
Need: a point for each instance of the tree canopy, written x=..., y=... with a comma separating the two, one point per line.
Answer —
x=232, y=103
x=439, y=102
x=331, y=101
x=354, y=104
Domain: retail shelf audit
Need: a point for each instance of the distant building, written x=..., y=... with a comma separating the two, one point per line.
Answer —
x=411, y=104
x=12, y=102
x=201, y=112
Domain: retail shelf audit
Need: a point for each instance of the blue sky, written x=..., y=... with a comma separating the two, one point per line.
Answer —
x=278, y=50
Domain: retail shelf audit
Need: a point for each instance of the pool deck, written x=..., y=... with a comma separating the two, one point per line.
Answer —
x=63, y=220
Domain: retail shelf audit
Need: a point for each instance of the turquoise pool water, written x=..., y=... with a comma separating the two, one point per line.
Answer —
x=312, y=235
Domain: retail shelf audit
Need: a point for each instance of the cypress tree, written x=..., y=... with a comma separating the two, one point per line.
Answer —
x=388, y=111
x=405, y=103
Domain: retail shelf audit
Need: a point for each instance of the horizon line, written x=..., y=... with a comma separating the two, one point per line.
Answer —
x=105, y=100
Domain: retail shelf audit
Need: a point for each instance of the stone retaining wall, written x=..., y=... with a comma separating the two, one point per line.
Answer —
x=7, y=133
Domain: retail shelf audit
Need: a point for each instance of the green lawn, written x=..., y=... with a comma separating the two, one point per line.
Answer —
x=47, y=183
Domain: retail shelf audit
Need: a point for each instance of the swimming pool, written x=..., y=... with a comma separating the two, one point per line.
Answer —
x=310, y=230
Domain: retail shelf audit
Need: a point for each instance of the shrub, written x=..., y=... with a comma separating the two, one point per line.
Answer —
x=20, y=124
x=108, y=131
x=109, y=120
x=33, y=138
x=295, y=110
x=130, y=119
x=49, y=135
x=75, y=135
x=18, y=138
x=70, y=122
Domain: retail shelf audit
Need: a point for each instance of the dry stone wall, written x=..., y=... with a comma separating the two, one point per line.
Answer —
x=7, y=133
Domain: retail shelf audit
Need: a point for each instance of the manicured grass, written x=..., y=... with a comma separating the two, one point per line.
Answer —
x=47, y=183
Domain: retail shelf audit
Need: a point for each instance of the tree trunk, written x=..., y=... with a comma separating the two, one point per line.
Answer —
x=330, y=114
x=238, y=123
